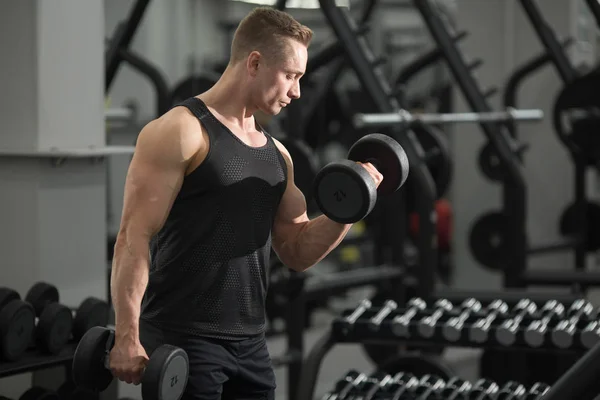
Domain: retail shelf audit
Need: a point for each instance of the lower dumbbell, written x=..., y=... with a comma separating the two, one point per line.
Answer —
x=427, y=325
x=344, y=190
x=479, y=332
x=401, y=323
x=511, y=391
x=351, y=319
x=429, y=387
x=17, y=324
x=164, y=378
x=453, y=328
x=402, y=386
x=590, y=335
x=537, y=391
x=456, y=389
x=388, y=307
x=483, y=389
x=375, y=384
x=506, y=334
x=341, y=384
x=536, y=331
x=563, y=333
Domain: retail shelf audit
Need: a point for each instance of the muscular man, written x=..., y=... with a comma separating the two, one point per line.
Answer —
x=208, y=193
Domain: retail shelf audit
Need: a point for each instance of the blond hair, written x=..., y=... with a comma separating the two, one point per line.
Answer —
x=264, y=30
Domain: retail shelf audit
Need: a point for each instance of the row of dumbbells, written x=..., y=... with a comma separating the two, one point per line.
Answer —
x=40, y=321
x=67, y=391
x=549, y=324
x=406, y=386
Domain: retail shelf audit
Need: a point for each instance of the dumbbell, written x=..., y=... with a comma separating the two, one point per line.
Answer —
x=536, y=331
x=453, y=327
x=484, y=389
x=402, y=386
x=590, y=335
x=511, y=390
x=54, y=320
x=69, y=391
x=480, y=330
x=536, y=392
x=456, y=389
x=388, y=307
x=430, y=386
x=374, y=384
x=39, y=393
x=401, y=323
x=564, y=332
x=164, y=377
x=341, y=384
x=17, y=324
x=506, y=334
x=427, y=324
x=344, y=190
x=351, y=319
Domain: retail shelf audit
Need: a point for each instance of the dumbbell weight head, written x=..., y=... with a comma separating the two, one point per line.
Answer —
x=91, y=312
x=17, y=324
x=40, y=295
x=164, y=378
x=452, y=329
x=506, y=333
x=537, y=391
x=563, y=334
x=401, y=323
x=590, y=335
x=344, y=190
x=456, y=389
x=428, y=324
x=429, y=386
x=511, y=390
x=480, y=330
x=535, y=333
x=484, y=389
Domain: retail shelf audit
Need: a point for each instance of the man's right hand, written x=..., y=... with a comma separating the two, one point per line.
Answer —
x=128, y=361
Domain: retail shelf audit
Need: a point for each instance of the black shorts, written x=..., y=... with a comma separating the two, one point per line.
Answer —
x=219, y=369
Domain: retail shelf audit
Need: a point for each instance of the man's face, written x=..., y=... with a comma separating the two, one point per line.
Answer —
x=278, y=83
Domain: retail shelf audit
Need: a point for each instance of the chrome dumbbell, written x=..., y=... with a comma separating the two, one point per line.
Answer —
x=453, y=328
x=535, y=333
x=506, y=334
x=480, y=330
x=563, y=333
x=377, y=319
x=428, y=324
x=401, y=323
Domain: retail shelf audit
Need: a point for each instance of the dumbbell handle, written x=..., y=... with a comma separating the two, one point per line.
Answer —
x=389, y=306
x=400, y=322
x=360, y=310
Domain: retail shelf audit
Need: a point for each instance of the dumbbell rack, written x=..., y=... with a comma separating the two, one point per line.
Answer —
x=34, y=360
x=580, y=378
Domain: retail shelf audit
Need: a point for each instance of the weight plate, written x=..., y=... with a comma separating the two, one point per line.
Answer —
x=486, y=240
x=166, y=374
x=54, y=328
x=490, y=163
x=88, y=367
x=40, y=295
x=7, y=295
x=437, y=153
x=92, y=312
x=192, y=86
x=569, y=224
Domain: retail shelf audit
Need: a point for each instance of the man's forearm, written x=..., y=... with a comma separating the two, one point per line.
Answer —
x=317, y=238
x=128, y=283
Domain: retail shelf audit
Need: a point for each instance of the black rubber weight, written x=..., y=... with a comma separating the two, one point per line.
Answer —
x=89, y=371
x=40, y=295
x=54, y=328
x=17, y=324
x=39, y=393
x=166, y=374
x=92, y=312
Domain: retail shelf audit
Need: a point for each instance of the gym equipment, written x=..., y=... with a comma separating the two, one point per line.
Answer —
x=377, y=319
x=487, y=241
x=406, y=117
x=351, y=319
x=91, y=312
x=511, y=390
x=39, y=393
x=401, y=323
x=456, y=389
x=535, y=333
x=17, y=324
x=344, y=190
x=590, y=335
x=427, y=325
x=437, y=155
x=69, y=391
x=563, y=333
x=418, y=365
x=164, y=377
x=479, y=332
x=453, y=328
x=506, y=333
x=483, y=389
x=54, y=320
x=569, y=224
x=429, y=386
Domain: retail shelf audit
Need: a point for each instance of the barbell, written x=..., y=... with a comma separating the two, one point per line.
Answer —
x=368, y=120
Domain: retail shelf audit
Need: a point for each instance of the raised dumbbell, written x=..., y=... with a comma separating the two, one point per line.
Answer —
x=484, y=389
x=388, y=307
x=401, y=323
x=351, y=319
x=511, y=390
x=506, y=334
x=453, y=328
x=456, y=389
x=430, y=386
x=536, y=392
x=346, y=193
x=17, y=324
x=54, y=320
x=480, y=330
x=164, y=378
x=428, y=324
x=590, y=335
x=564, y=332
x=535, y=333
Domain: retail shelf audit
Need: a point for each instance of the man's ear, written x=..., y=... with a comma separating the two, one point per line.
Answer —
x=253, y=62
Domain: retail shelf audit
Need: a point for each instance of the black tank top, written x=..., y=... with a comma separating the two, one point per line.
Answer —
x=209, y=262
